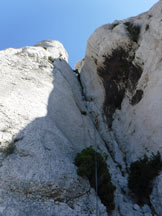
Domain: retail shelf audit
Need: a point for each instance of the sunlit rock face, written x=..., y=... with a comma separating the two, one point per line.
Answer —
x=121, y=75
x=26, y=82
x=122, y=82
x=49, y=113
x=55, y=48
x=43, y=126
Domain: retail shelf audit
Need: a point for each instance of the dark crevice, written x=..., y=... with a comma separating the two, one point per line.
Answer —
x=83, y=112
x=147, y=27
x=137, y=97
x=114, y=25
x=133, y=31
x=113, y=158
x=118, y=75
x=77, y=74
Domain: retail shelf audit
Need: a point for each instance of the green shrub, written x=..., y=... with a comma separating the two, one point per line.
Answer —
x=60, y=55
x=133, y=31
x=141, y=175
x=8, y=148
x=86, y=162
x=51, y=59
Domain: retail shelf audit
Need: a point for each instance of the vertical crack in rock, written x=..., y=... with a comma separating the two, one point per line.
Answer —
x=118, y=74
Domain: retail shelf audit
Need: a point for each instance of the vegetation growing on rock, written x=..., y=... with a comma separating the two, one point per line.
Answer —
x=118, y=74
x=51, y=59
x=87, y=161
x=133, y=31
x=141, y=175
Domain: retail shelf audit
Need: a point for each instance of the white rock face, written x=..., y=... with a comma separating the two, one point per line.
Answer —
x=47, y=117
x=137, y=127
x=26, y=82
x=55, y=48
x=134, y=127
x=41, y=113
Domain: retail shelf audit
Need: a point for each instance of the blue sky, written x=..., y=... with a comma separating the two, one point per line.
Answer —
x=26, y=22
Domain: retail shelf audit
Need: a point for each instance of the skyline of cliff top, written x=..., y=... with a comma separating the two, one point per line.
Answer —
x=24, y=23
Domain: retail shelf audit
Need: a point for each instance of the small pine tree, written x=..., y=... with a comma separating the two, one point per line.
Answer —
x=86, y=162
x=141, y=175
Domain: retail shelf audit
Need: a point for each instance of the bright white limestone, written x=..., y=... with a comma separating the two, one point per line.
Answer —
x=45, y=122
x=137, y=129
x=41, y=131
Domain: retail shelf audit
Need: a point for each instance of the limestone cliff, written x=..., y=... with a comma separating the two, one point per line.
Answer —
x=121, y=77
x=48, y=115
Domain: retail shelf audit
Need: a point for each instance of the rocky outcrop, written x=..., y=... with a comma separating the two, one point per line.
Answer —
x=42, y=129
x=121, y=79
x=49, y=114
x=26, y=82
x=127, y=76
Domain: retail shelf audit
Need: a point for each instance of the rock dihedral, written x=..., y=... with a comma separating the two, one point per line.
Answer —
x=47, y=117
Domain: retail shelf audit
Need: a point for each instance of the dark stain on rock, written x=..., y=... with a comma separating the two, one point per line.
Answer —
x=83, y=112
x=133, y=31
x=137, y=97
x=118, y=74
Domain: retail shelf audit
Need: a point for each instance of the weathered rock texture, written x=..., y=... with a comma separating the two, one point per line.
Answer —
x=42, y=129
x=122, y=82
x=48, y=116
